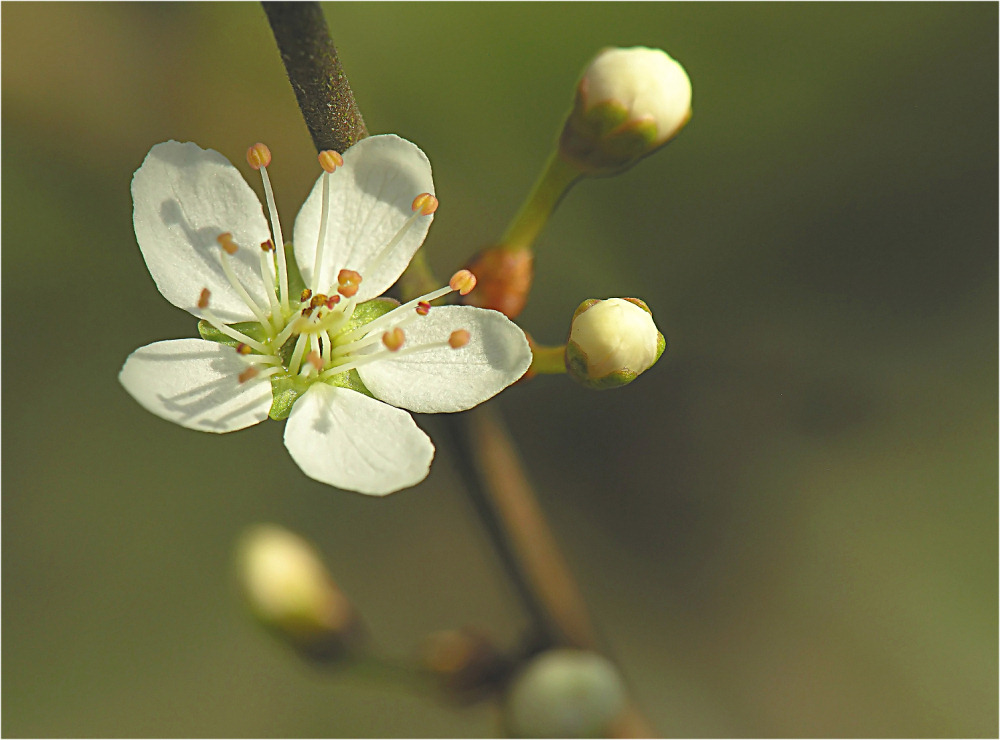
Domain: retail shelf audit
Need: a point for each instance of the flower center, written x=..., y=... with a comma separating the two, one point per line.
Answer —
x=324, y=332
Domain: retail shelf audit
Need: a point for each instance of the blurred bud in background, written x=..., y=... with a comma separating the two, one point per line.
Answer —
x=612, y=342
x=291, y=593
x=629, y=103
x=465, y=663
x=565, y=693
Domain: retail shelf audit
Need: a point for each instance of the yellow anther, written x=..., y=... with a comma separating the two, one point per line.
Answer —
x=393, y=339
x=267, y=246
x=243, y=349
x=425, y=203
x=249, y=374
x=317, y=300
x=258, y=156
x=330, y=160
x=203, y=298
x=459, y=338
x=305, y=295
x=227, y=243
x=423, y=308
x=314, y=359
x=463, y=281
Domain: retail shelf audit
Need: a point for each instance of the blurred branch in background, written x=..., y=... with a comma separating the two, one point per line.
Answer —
x=495, y=476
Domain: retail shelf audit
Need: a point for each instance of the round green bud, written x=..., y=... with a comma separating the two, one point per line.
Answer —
x=629, y=103
x=290, y=592
x=565, y=692
x=612, y=342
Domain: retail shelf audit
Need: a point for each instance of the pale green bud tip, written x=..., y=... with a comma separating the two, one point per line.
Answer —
x=565, y=693
x=612, y=342
x=629, y=103
x=290, y=591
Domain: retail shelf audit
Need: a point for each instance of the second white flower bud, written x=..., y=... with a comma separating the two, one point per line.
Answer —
x=629, y=103
x=612, y=342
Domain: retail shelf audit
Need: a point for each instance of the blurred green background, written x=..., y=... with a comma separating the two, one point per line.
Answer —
x=788, y=527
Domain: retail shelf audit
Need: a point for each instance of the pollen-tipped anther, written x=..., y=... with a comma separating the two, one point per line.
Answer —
x=317, y=300
x=203, y=298
x=244, y=349
x=423, y=308
x=330, y=160
x=459, y=338
x=349, y=282
x=249, y=374
x=463, y=281
x=393, y=339
x=227, y=243
x=332, y=301
x=314, y=359
x=267, y=246
x=258, y=156
x=425, y=203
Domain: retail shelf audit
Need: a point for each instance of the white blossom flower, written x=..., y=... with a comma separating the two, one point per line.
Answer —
x=612, y=342
x=316, y=345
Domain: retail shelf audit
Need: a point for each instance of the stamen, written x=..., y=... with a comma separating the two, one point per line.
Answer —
x=394, y=339
x=425, y=203
x=267, y=246
x=305, y=295
x=317, y=300
x=239, y=336
x=332, y=301
x=244, y=349
x=227, y=243
x=249, y=374
x=229, y=247
x=258, y=156
x=463, y=281
x=393, y=316
x=350, y=282
x=459, y=338
x=330, y=160
x=324, y=213
x=315, y=359
x=267, y=276
x=423, y=308
x=203, y=298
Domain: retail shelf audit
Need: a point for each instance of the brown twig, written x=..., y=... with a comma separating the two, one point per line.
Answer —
x=318, y=79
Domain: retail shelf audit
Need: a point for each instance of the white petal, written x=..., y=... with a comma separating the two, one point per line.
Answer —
x=370, y=199
x=348, y=440
x=451, y=379
x=195, y=383
x=183, y=198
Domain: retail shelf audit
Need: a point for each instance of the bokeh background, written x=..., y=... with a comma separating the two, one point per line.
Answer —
x=788, y=527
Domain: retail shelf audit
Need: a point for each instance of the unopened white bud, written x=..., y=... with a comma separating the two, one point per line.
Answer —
x=612, y=342
x=565, y=693
x=290, y=591
x=629, y=103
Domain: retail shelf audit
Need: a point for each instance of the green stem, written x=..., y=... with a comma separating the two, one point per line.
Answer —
x=548, y=360
x=554, y=182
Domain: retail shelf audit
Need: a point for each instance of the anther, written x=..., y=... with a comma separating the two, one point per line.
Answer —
x=332, y=301
x=349, y=281
x=463, y=281
x=425, y=203
x=227, y=243
x=249, y=374
x=267, y=246
x=305, y=295
x=393, y=339
x=459, y=338
x=307, y=311
x=203, y=298
x=258, y=156
x=317, y=300
x=314, y=359
x=330, y=160
x=243, y=349
x=423, y=308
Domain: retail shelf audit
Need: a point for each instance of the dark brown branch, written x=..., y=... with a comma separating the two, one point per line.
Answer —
x=316, y=74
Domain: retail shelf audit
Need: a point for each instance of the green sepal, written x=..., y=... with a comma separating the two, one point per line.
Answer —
x=251, y=328
x=577, y=368
x=285, y=390
x=368, y=311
